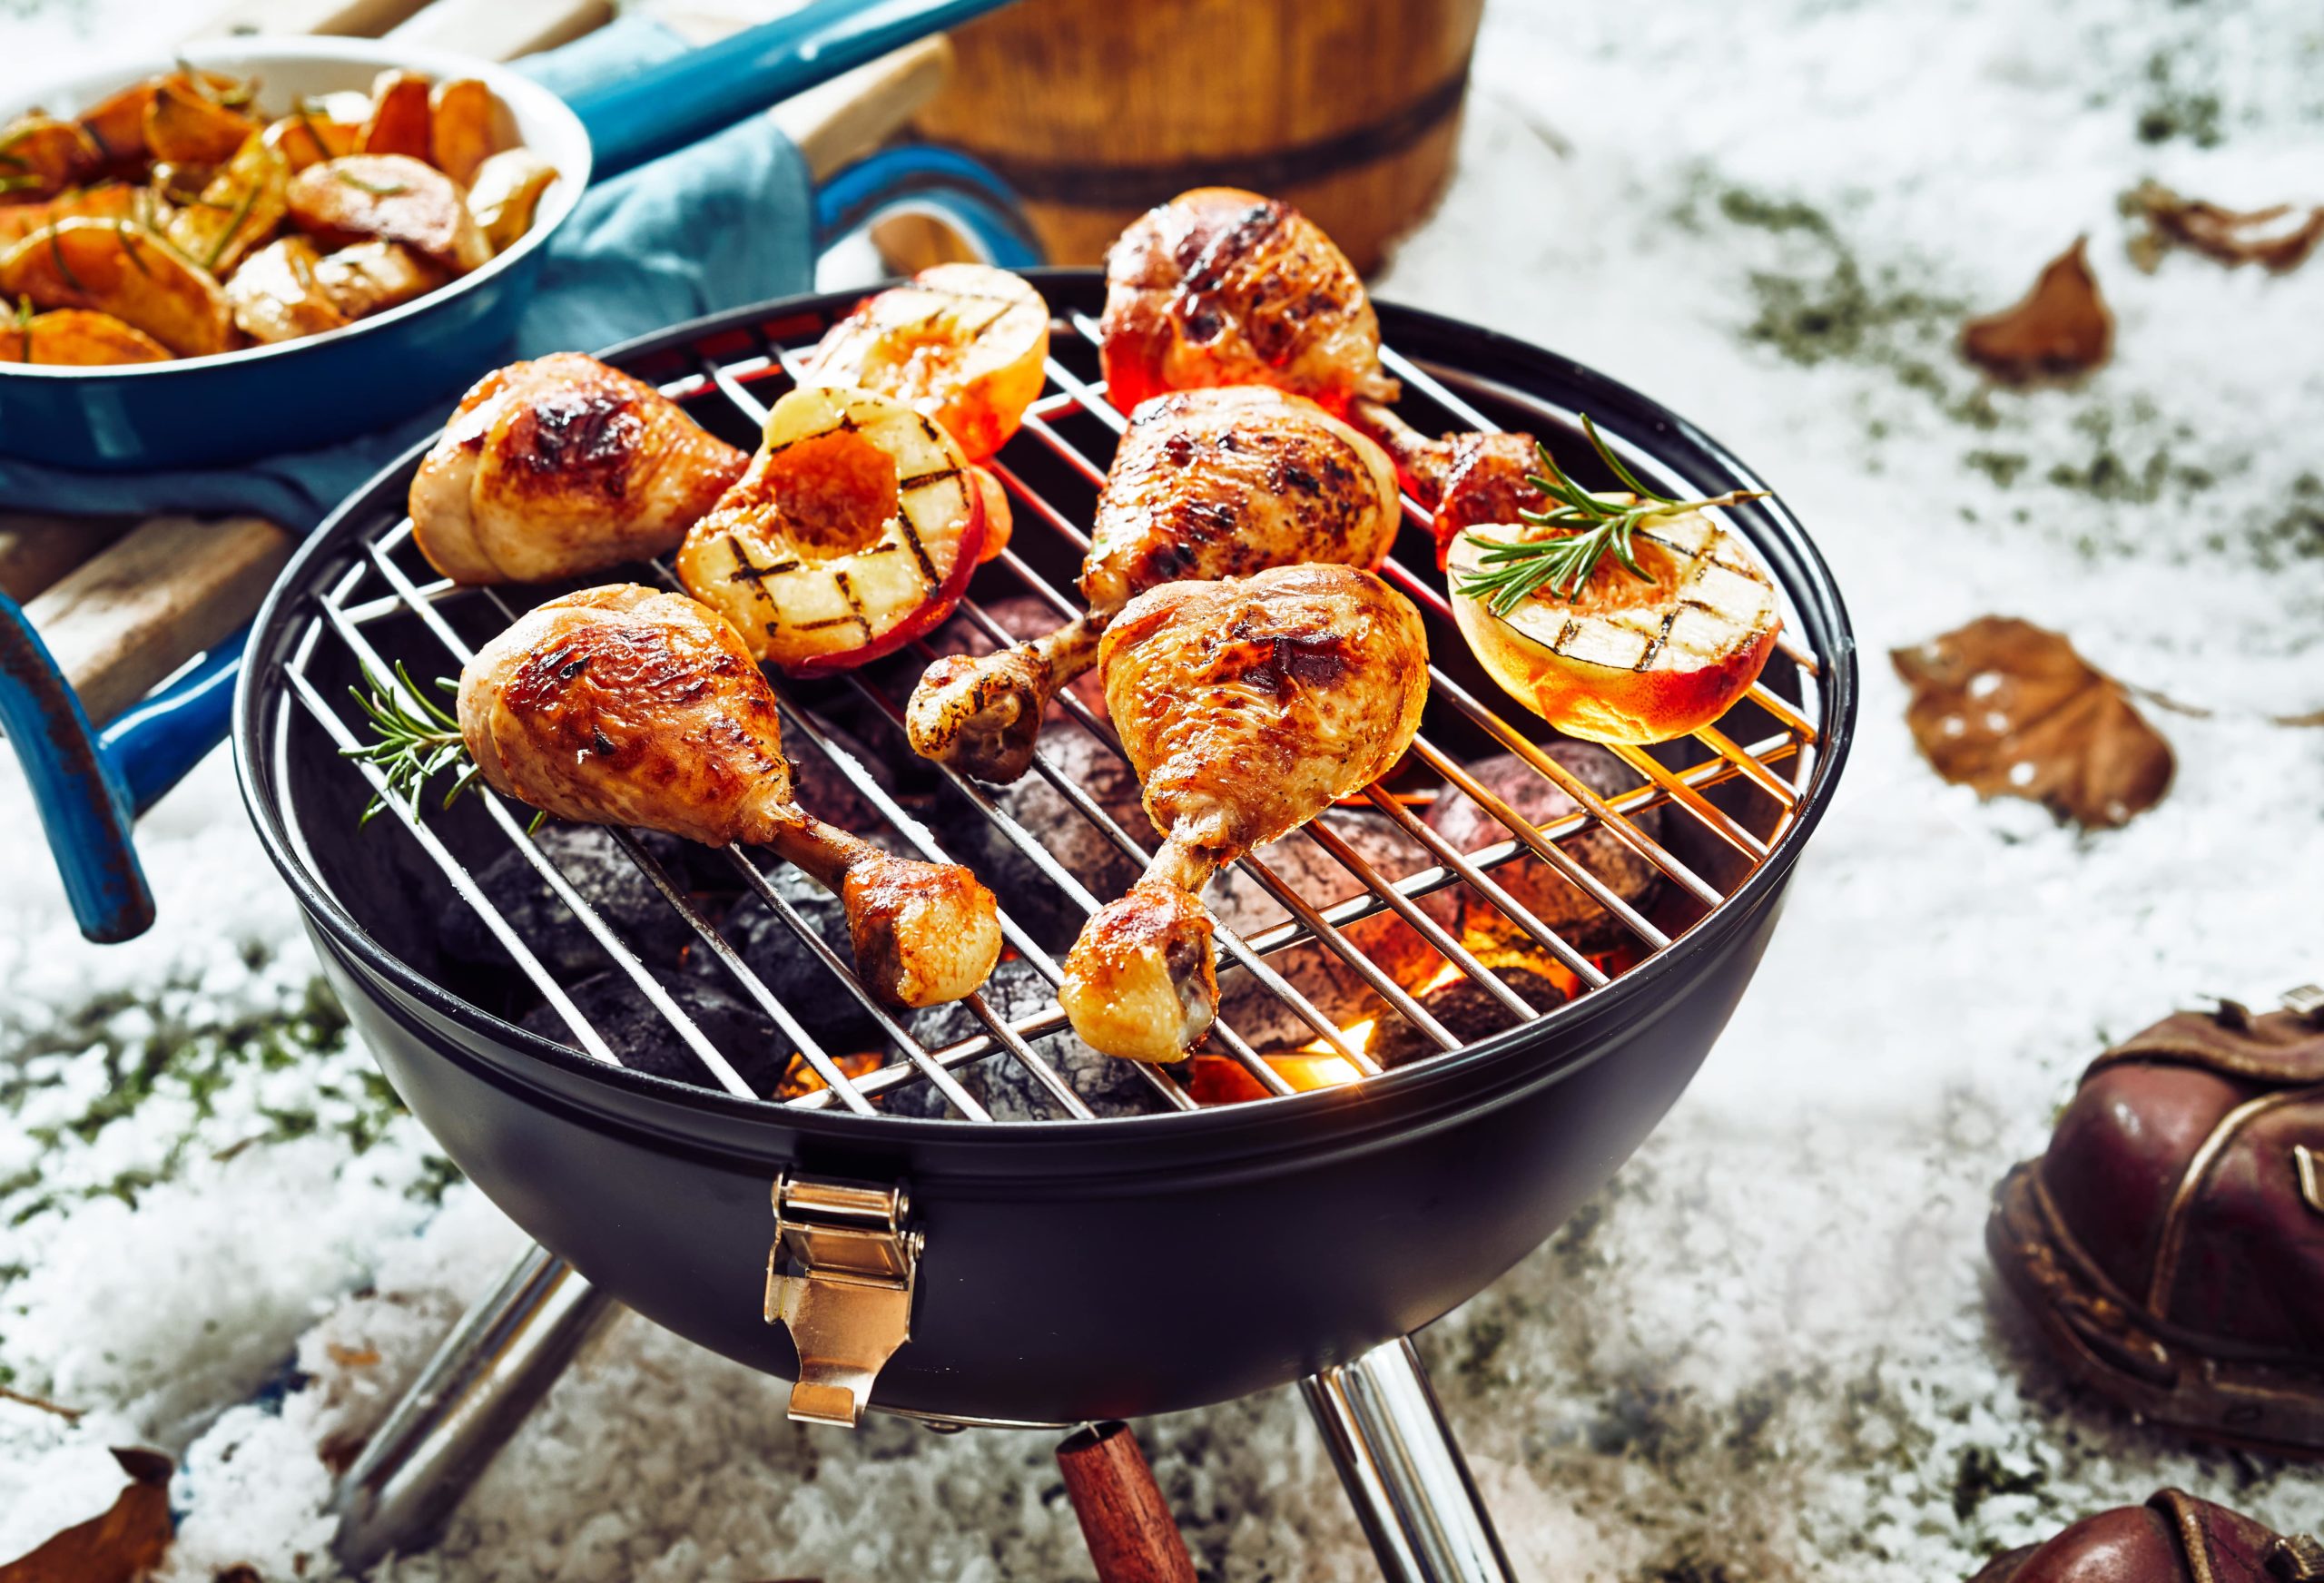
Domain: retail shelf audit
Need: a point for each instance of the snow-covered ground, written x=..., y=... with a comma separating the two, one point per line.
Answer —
x=1771, y=1348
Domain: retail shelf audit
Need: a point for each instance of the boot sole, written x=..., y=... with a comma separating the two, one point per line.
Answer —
x=2106, y=1342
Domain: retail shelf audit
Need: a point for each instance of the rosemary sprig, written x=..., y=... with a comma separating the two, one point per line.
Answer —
x=234, y=225
x=414, y=739
x=377, y=188
x=129, y=247
x=1510, y=573
x=305, y=111
x=56, y=256
x=23, y=326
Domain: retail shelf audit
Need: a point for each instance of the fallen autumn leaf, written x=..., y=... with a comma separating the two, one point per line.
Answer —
x=2279, y=237
x=120, y=1546
x=2062, y=327
x=2009, y=708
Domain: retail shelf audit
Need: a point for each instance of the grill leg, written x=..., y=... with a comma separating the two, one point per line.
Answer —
x=497, y=1363
x=1403, y=1469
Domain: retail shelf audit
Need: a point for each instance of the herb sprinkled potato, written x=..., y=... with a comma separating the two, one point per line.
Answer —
x=77, y=336
x=178, y=216
x=389, y=198
x=40, y=156
x=507, y=193
x=112, y=267
x=277, y=296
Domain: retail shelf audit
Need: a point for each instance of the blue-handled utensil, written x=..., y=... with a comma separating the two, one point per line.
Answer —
x=291, y=396
x=89, y=785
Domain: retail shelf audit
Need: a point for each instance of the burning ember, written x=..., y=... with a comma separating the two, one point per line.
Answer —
x=799, y=1078
x=1444, y=990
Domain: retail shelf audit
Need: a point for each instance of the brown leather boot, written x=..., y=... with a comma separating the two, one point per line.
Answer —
x=2170, y=1243
x=2173, y=1538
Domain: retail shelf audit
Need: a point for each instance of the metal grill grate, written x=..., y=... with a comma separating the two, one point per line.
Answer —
x=390, y=583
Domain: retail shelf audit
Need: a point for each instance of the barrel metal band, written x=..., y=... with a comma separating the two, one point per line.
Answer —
x=1137, y=186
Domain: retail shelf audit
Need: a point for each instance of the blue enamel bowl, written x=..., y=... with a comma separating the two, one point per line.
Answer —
x=265, y=400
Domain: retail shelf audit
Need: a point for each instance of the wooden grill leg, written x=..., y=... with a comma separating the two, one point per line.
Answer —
x=1131, y=1534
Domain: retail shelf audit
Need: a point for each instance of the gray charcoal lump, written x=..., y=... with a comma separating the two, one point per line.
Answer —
x=643, y=1040
x=1000, y=1081
x=1553, y=900
x=602, y=875
x=773, y=949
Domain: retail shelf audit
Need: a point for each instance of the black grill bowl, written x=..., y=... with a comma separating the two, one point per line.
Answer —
x=1072, y=1270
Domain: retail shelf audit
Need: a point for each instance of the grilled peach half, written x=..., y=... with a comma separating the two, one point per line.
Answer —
x=1628, y=659
x=854, y=531
x=964, y=344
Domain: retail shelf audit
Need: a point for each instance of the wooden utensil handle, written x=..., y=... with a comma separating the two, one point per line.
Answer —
x=1131, y=1534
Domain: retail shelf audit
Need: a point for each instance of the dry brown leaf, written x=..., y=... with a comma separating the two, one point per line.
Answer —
x=2062, y=327
x=121, y=1545
x=2279, y=237
x=2009, y=708
x=351, y=1357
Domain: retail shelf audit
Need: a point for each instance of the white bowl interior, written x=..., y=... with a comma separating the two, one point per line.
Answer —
x=288, y=70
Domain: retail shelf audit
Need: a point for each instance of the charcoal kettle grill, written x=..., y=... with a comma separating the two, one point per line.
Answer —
x=1080, y=1268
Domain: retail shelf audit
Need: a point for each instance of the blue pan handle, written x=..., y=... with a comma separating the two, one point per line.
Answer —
x=951, y=186
x=683, y=100
x=87, y=786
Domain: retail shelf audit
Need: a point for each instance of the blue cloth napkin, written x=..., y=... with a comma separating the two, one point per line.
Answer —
x=727, y=222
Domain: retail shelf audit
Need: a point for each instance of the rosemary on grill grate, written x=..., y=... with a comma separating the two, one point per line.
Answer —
x=414, y=739
x=1511, y=572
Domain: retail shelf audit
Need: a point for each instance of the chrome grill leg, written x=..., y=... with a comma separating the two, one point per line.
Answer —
x=495, y=1366
x=1403, y=1469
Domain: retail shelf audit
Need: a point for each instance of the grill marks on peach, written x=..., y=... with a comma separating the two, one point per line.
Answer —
x=857, y=519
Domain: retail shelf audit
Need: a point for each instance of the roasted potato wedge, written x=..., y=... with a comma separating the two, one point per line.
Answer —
x=186, y=123
x=505, y=193
x=40, y=156
x=277, y=295
x=240, y=208
x=391, y=197
x=112, y=267
x=75, y=337
x=399, y=121
x=374, y=276
x=110, y=202
x=309, y=137
x=116, y=122
x=460, y=136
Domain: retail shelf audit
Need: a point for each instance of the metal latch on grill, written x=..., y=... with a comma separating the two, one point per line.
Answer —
x=840, y=1276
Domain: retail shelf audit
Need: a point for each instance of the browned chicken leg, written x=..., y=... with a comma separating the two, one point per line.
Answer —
x=1223, y=287
x=1213, y=483
x=1464, y=479
x=1246, y=706
x=562, y=466
x=621, y=705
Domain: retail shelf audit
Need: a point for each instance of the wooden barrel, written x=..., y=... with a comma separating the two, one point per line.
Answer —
x=1097, y=110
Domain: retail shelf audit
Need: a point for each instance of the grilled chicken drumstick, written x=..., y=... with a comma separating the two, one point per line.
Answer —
x=1464, y=479
x=562, y=466
x=623, y=705
x=1205, y=484
x=1223, y=287
x=1246, y=706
